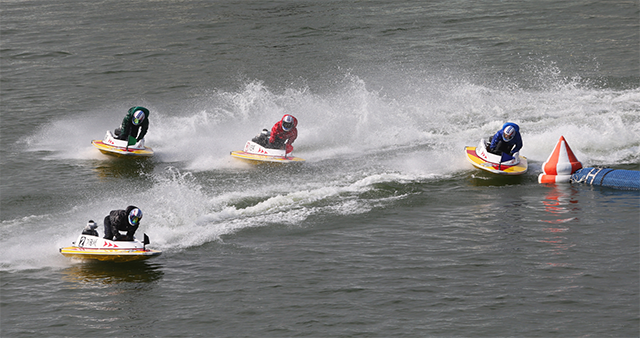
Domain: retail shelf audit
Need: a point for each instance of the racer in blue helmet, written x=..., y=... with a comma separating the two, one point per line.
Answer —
x=506, y=141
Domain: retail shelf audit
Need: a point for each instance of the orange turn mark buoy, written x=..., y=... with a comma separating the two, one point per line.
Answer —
x=560, y=164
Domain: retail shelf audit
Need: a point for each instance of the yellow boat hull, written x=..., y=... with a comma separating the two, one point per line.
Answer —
x=265, y=159
x=111, y=255
x=121, y=152
x=496, y=168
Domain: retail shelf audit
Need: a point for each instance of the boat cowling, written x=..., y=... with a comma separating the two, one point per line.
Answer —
x=254, y=148
x=484, y=154
x=96, y=242
x=111, y=140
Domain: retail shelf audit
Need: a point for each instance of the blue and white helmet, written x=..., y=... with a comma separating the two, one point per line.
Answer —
x=134, y=216
x=508, y=133
x=138, y=117
x=287, y=122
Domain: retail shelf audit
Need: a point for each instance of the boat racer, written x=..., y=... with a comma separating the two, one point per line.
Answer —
x=122, y=220
x=283, y=133
x=134, y=124
x=506, y=141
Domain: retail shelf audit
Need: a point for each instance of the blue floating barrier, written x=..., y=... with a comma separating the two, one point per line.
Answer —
x=607, y=177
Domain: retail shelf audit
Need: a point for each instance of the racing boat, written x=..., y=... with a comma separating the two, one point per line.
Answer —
x=90, y=246
x=123, y=148
x=255, y=152
x=482, y=159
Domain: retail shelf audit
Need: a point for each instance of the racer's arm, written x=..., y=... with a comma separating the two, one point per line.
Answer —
x=495, y=139
x=274, y=132
x=294, y=136
x=131, y=229
x=518, y=144
x=125, y=128
x=143, y=129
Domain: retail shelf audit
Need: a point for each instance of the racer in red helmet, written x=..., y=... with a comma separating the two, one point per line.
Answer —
x=283, y=133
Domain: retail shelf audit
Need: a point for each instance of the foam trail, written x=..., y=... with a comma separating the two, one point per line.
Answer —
x=352, y=136
x=201, y=218
x=351, y=119
x=180, y=212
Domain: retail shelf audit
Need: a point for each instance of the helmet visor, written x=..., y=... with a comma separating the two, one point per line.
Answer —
x=287, y=126
x=135, y=216
x=138, y=117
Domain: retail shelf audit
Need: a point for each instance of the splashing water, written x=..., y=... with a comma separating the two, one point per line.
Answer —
x=355, y=140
